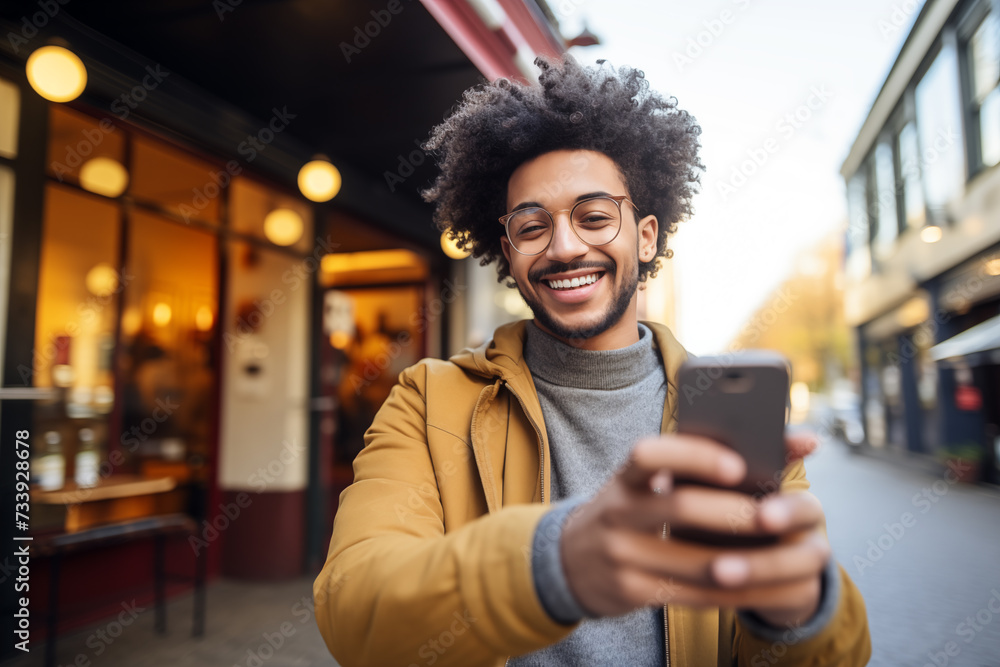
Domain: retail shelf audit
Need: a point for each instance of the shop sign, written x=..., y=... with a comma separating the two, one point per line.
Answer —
x=968, y=397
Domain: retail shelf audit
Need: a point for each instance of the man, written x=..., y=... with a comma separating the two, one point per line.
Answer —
x=513, y=505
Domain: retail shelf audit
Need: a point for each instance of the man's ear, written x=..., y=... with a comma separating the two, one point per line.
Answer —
x=505, y=246
x=648, y=227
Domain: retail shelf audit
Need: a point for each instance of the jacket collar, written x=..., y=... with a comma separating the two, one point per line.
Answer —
x=502, y=358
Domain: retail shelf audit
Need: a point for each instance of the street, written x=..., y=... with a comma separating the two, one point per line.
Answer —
x=924, y=551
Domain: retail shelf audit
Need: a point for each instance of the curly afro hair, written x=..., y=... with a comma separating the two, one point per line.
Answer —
x=501, y=125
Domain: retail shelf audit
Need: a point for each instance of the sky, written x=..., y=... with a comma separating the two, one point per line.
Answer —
x=784, y=85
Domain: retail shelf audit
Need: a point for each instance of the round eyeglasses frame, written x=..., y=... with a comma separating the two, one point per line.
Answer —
x=617, y=199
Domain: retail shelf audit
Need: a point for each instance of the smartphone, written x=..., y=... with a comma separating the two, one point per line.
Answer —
x=740, y=400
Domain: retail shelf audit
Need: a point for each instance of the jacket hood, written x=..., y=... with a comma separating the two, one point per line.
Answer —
x=501, y=357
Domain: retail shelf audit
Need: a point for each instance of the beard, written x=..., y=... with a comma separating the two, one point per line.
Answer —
x=616, y=309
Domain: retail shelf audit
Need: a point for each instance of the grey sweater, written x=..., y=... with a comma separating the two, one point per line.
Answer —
x=596, y=405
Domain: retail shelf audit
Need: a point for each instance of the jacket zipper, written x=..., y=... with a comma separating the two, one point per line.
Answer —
x=541, y=443
x=541, y=458
x=666, y=630
x=666, y=636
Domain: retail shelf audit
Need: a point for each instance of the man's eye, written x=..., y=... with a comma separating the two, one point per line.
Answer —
x=531, y=229
x=594, y=219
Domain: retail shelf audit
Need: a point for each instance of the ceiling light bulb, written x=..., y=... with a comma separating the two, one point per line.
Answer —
x=319, y=181
x=56, y=73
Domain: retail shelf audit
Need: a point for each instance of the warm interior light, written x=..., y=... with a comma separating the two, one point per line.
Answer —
x=345, y=262
x=204, y=319
x=372, y=266
x=102, y=280
x=513, y=303
x=319, y=180
x=913, y=312
x=340, y=339
x=131, y=321
x=992, y=267
x=450, y=247
x=283, y=226
x=162, y=314
x=57, y=74
x=104, y=176
x=931, y=234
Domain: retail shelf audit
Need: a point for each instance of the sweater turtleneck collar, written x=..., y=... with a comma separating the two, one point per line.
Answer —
x=560, y=364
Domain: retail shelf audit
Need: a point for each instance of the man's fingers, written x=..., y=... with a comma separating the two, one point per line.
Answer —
x=780, y=513
x=684, y=457
x=695, y=506
x=802, y=557
x=788, y=595
x=797, y=557
x=799, y=445
x=691, y=506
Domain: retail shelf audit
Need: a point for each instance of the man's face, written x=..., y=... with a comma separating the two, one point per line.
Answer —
x=601, y=314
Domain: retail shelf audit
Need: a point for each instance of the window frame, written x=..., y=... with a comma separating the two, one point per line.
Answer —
x=966, y=26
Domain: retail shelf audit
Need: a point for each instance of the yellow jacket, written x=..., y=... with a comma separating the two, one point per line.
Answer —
x=430, y=560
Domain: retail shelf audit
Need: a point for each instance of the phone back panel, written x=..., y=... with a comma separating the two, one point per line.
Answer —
x=739, y=400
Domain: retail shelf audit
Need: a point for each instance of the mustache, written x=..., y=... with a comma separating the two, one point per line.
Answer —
x=560, y=267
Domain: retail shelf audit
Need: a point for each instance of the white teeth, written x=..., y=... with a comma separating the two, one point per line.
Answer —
x=578, y=281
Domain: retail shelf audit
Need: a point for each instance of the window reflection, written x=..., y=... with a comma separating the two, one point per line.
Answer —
x=909, y=171
x=885, y=180
x=858, y=254
x=984, y=60
x=939, y=124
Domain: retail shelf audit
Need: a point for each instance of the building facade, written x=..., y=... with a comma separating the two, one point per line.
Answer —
x=923, y=240
x=176, y=305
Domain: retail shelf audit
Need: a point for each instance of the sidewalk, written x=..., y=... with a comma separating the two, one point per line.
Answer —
x=247, y=625
x=917, y=462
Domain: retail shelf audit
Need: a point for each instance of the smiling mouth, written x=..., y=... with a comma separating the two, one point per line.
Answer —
x=573, y=283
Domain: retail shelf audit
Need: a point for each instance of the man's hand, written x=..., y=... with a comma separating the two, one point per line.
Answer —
x=616, y=560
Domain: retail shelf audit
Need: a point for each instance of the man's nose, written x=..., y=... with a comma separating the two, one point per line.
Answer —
x=565, y=244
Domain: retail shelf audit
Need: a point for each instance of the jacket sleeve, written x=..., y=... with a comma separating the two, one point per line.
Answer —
x=397, y=589
x=844, y=642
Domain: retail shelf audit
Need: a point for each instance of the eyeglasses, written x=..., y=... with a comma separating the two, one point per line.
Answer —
x=596, y=221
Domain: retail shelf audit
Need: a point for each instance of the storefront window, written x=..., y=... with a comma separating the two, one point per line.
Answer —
x=176, y=182
x=939, y=124
x=875, y=425
x=262, y=212
x=77, y=296
x=10, y=112
x=169, y=314
x=78, y=288
x=388, y=336
x=78, y=142
x=6, y=228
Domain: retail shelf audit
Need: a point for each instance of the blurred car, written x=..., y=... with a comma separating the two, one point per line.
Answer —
x=845, y=405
